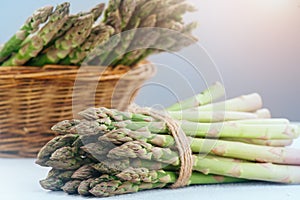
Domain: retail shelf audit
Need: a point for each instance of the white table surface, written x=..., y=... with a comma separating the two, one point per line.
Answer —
x=19, y=181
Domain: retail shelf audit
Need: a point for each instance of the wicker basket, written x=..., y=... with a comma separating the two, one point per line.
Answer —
x=33, y=99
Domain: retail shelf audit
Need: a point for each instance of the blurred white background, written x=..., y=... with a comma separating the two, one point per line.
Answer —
x=254, y=43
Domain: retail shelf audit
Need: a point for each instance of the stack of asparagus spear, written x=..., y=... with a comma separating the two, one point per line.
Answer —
x=56, y=37
x=108, y=152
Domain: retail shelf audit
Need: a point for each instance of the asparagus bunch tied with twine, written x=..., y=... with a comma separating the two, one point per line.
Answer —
x=58, y=37
x=108, y=152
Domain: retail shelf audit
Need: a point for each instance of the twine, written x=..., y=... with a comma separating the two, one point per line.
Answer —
x=182, y=143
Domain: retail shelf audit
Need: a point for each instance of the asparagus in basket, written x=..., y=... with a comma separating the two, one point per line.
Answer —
x=64, y=45
x=39, y=43
x=32, y=46
x=31, y=25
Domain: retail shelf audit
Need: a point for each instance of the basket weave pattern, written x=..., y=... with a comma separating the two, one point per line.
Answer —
x=33, y=99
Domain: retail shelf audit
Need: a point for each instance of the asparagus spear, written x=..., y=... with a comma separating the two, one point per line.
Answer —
x=56, y=179
x=273, y=143
x=266, y=129
x=31, y=25
x=218, y=116
x=212, y=93
x=246, y=103
x=113, y=16
x=211, y=165
x=175, y=11
x=63, y=46
x=117, y=187
x=126, y=11
x=99, y=35
x=144, y=150
x=247, y=170
x=34, y=45
x=54, y=144
x=137, y=175
x=71, y=187
x=96, y=11
x=85, y=172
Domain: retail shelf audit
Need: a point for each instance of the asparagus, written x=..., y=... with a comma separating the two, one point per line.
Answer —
x=266, y=129
x=218, y=116
x=31, y=25
x=273, y=143
x=207, y=96
x=126, y=38
x=137, y=175
x=96, y=11
x=246, y=103
x=211, y=165
x=221, y=130
x=34, y=45
x=247, y=170
x=127, y=9
x=99, y=35
x=63, y=46
x=113, y=16
x=56, y=179
x=86, y=185
x=144, y=150
x=85, y=172
x=117, y=187
x=243, y=169
x=175, y=11
x=54, y=144
x=144, y=38
x=71, y=187
x=52, y=184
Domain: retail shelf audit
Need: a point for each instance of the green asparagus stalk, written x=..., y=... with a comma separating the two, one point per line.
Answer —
x=137, y=175
x=85, y=172
x=120, y=136
x=99, y=35
x=53, y=145
x=144, y=150
x=272, y=143
x=96, y=11
x=211, y=165
x=117, y=187
x=267, y=129
x=175, y=12
x=218, y=116
x=63, y=46
x=127, y=37
x=86, y=185
x=247, y=170
x=246, y=103
x=56, y=179
x=34, y=45
x=127, y=9
x=212, y=93
x=143, y=39
x=31, y=25
x=113, y=16
x=107, y=185
x=221, y=130
x=243, y=169
x=71, y=187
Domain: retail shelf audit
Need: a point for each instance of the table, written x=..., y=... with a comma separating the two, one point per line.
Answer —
x=19, y=181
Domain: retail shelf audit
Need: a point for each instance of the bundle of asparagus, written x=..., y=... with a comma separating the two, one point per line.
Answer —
x=108, y=152
x=55, y=37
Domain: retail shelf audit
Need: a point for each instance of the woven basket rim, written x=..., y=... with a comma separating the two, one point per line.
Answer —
x=142, y=69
